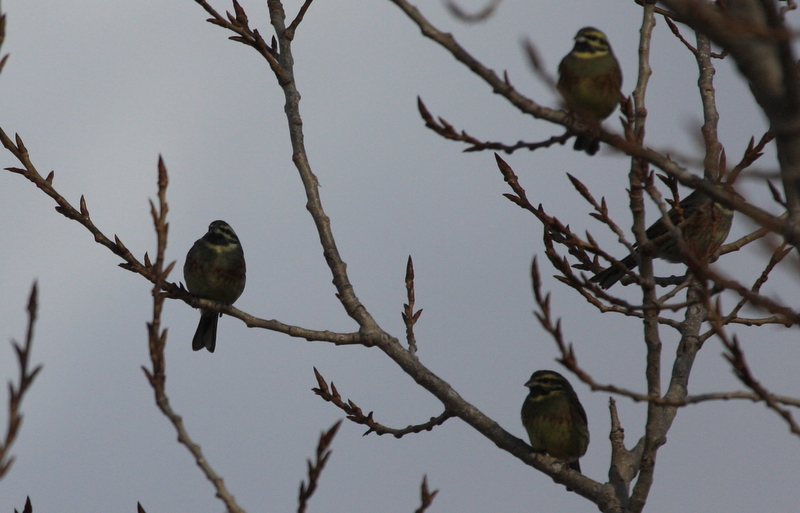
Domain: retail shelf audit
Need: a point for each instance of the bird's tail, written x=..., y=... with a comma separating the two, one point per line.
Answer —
x=614, y=273
x=206, y=334
x=587, y=144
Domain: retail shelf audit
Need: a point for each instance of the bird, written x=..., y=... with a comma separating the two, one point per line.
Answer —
x=214, y=269
x=589, y=79
x=554, y=418
x=704, y=225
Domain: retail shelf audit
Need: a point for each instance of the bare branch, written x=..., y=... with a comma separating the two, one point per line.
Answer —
x=17, y=393
x=536, y=64
x=676, y=31
x=631, y=146
x=315, y=467
x=786, y=315
x=446, y=130
x=4, y=58
x=355, y=414
x=285, y=76
x=426, y=496
x=410, y=317
x=157, y=340
x=239, y=24
x=290, y=31
x=482, y=15
x=755, y=35
x=735, y=357
x=777, y=255
x=751, y=154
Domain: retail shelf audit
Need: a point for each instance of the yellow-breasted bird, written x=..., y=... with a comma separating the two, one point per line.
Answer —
x=589, y=79
x=215, y=270
x=554, y=418
x=704, y=225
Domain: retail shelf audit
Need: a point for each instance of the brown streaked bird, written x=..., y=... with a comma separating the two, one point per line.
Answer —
x=215, y=270
x=554, y=418
x=589, y=79
x=704, y=225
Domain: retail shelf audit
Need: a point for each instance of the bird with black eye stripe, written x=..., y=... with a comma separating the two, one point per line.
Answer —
x=554, y=418
x=589, y=79
x=215, y=270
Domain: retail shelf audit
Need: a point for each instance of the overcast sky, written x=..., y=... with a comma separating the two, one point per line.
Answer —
x=99, y=89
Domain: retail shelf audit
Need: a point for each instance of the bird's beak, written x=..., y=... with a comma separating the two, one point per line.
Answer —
x=530, y=383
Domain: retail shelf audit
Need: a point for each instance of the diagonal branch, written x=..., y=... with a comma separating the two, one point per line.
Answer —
x=285, y=77
x=633, y=147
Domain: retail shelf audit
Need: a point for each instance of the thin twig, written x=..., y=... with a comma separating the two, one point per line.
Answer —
x=481, y=15
x=292, y=28
x=355, y=414
x=17, y=393
x=131, y=263
x=315, y=467
x=239, y=23
x=426, y=496
x=751, y=154
x=410, y=317
x=777, y=255
x=735, y=357
x=157, y=339
x=4, y=58
x=569, y=360
x=536, y=65
x=446, y=130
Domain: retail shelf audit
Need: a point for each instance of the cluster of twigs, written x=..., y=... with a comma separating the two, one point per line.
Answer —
x=589, y=254
x=610, y=497
x=555, y=232
x=570, y=360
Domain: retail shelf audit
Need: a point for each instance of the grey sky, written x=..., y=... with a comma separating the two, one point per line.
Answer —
x=98, y=90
